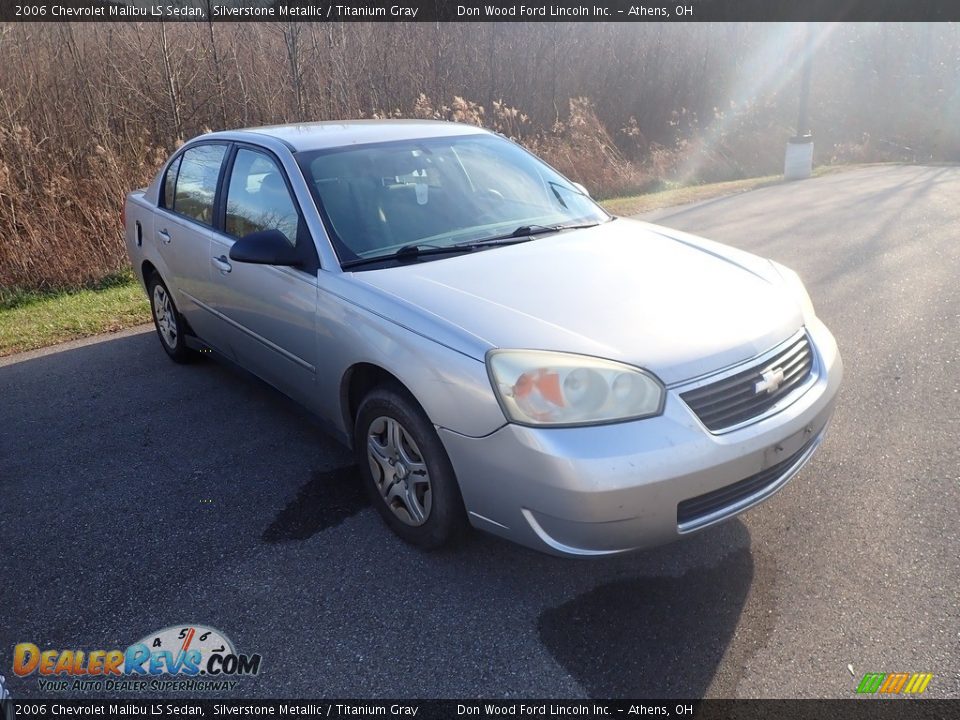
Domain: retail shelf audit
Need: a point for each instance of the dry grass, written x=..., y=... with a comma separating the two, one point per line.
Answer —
x=88, y=111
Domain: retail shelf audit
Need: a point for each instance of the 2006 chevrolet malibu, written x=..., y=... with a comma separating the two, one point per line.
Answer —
x=496, y=348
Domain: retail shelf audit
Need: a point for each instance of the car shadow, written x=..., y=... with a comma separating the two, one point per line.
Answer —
x=652, y=636
x=329, y=498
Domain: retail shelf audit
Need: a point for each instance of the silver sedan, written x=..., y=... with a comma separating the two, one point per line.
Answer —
x=497, y=350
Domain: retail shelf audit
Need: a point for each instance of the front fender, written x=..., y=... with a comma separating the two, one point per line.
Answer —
x=453, y=388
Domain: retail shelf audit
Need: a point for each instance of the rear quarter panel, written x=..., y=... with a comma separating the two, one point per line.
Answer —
x=141, y=208
x=138, y=229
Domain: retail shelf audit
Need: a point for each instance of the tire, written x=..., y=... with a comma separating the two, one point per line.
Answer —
x=406, y=471
x=168, y=321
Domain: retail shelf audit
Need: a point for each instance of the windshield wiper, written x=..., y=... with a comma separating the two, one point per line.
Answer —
x=524, y=233
x=417, y=250
x=520, y=234
x=408, y=252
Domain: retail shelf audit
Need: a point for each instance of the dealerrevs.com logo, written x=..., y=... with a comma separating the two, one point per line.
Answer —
x=178, y=658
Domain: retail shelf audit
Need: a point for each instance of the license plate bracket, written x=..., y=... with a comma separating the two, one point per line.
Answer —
x=788, y=447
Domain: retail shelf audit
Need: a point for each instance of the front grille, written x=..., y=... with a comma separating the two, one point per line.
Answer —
x=703, y=505
x=735, y=399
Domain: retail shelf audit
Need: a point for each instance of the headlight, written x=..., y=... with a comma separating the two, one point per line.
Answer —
x=794, y=282
x=538, y=387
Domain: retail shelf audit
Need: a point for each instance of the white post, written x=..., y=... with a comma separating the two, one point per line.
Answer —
x=798, y=161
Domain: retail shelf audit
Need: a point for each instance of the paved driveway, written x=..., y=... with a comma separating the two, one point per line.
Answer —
x=136, y=494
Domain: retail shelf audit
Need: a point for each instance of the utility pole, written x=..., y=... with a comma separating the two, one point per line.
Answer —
x=798, y=161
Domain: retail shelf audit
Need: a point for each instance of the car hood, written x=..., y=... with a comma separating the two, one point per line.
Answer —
x=677, y=305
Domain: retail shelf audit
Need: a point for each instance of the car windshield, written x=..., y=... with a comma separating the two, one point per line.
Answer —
x=438, y=193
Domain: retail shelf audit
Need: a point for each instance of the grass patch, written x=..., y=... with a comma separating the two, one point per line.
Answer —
x=636, y=204
x=11, y=298
x=30, y=320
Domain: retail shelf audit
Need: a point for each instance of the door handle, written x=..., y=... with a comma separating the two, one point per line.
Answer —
x=222, y=264
x=164, y=236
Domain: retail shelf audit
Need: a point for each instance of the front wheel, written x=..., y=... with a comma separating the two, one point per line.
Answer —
x=406, y=470
x=167, y=321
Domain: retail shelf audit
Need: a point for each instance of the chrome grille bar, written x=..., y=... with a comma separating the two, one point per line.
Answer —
x=740, y=397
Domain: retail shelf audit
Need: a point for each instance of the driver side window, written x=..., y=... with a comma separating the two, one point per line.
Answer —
x=258, y=198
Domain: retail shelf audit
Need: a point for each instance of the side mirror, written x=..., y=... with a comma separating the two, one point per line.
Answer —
x=582, y=189
x=265, y=247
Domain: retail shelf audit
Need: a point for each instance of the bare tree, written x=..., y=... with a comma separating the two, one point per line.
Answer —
x=171, y=83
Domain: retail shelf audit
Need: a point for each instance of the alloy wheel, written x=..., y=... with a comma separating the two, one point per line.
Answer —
x=399, y=471
x=164, y=314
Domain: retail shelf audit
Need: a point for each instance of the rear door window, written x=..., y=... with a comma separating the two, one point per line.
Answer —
x=196, y=183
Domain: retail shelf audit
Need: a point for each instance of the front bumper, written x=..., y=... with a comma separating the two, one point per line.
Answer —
x=608, y=489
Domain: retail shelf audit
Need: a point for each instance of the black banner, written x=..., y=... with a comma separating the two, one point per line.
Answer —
x=478, y=10
x=854, y=709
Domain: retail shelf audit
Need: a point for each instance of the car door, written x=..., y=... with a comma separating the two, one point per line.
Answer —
x=183, y=229
x=268, y=313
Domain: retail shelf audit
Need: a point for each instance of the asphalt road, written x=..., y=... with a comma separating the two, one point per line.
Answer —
x=136, y=494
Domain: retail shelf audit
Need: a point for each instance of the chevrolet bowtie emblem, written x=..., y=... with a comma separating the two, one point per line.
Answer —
x=770, y=381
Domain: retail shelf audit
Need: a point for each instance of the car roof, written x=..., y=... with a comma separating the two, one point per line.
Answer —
x=338, y=133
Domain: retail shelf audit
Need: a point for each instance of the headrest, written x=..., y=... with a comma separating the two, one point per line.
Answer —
x=272, y=184
x=399, y=164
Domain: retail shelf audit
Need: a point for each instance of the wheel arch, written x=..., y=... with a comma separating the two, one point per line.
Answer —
x=451, y=388
x=359, y=379
x=147, y=269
